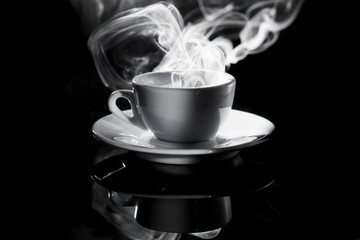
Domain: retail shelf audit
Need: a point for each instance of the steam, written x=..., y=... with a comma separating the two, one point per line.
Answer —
x=202, y=44
x=190, y=78
x=207, y=235
x=213, y=36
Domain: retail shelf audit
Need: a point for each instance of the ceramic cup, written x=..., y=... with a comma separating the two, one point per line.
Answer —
x=180, y=106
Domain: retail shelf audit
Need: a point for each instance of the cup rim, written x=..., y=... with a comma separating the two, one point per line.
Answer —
x=230, y=80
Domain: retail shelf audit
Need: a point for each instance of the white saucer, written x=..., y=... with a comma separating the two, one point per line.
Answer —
x=242, y=129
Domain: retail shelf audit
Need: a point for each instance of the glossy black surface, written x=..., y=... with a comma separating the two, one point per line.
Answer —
x=129, y=174
x=180, y=198
x=181, y=217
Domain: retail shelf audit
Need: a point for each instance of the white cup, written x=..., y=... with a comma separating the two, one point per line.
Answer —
x=176, y=110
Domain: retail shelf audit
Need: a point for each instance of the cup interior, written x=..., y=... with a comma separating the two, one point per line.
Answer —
x=183, y=79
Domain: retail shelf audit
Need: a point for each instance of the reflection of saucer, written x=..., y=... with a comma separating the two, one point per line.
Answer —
x=241, y=130
x=129, y=175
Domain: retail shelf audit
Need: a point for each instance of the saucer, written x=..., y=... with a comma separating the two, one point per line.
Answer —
x=241, y=129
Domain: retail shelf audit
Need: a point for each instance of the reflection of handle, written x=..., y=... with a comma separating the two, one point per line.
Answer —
x=128, y=95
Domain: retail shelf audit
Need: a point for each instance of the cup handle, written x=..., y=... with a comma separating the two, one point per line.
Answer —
x=128, y=95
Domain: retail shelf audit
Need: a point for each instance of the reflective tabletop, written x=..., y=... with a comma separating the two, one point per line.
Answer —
x=149, y=200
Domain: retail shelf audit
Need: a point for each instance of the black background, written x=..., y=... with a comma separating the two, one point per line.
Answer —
x=299, y=84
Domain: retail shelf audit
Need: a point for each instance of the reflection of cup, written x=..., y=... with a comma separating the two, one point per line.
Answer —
x=176, y=113
x=185, y=215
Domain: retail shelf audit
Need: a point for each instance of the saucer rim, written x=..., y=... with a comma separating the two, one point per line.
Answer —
x=165, y=152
